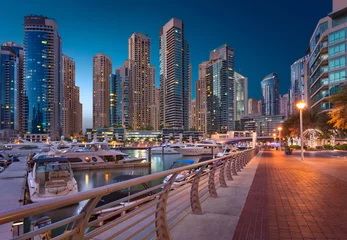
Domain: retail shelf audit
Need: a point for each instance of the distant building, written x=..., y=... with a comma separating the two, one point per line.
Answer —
x=175, y=74
x=193, y=119
x=260, y=107
x=241, y=95
x=327, y=64
x=178, y=134
x=72, y=108
x=102, y=69
x=270, y=95
x=252, y=106
x=154, y=108
x=42, y=77
x=285, y=106
x=11, y=87
x=201, y=105
x=220, y=90
x=112, y=133
x=142, y=81
x=262, y=125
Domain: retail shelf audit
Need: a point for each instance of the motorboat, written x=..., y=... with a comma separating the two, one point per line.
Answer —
x=93, y=156
x=163, y=150
x=227, y=151
x=5, y=159
x=182, y=176
x=2, y=169
x=50, y=178
x=206, y=147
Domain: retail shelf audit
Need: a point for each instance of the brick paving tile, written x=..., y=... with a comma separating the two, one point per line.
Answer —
x=289, y=199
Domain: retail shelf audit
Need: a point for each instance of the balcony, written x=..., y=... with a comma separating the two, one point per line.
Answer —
x=319, y=86
x=321, y=61
x=322, y=72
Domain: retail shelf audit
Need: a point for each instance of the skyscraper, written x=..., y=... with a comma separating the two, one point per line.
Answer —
x=241, y=95
x=142, y=81
x=42, y=76
x=284, y=106
x=220, y=90
x=72, y=109
x=174, y=76
x=193, y=120
x=201, y=106
x=270, y=95
x=327, y=64
x=11, y=86
x=155, y=107
x=297, y=85
x=253, y=106
x=102, y=69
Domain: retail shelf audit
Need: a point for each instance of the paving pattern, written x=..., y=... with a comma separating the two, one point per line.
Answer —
x=289, y=199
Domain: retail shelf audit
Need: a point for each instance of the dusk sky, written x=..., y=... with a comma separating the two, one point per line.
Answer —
x=267, y=36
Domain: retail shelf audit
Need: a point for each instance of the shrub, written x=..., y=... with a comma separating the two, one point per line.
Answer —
x=341, y=147
x=311, y=149
x=328, y=147
x=295, y=146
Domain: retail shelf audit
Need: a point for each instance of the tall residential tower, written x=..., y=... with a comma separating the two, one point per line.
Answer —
x=270, y=95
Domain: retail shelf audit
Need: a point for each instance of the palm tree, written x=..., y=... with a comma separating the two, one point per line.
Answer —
x=338, y=114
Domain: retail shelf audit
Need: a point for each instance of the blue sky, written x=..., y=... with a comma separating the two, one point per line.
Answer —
x=267, y=36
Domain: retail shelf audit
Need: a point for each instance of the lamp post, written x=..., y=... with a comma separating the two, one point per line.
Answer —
x=279, y=136
x=301, y=106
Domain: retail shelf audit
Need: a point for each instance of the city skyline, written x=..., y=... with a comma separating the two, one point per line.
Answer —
x=83, y=45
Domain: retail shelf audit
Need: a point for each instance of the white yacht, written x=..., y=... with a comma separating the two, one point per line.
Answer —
x=94, y=156
x=227, y=151
x=206, y=147
x=49, y=178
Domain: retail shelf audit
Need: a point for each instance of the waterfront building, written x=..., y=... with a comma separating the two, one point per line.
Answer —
x=327, y=65
x=179, y=134
x=72, y=108
x=11, y=87
x=102, y=69
x=174, y=76
x=285, y=106
x=142, y=81
x=220, y=90
x=298, y=85
x=241, y=95
x=112, y=133
x=252, y=106
x=201, y=106
x=192, y=118
x=262, y=125
x=270, y=95
x=42, y=77
x=154, y=108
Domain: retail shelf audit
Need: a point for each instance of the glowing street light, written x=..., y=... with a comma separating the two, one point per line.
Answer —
x=301, y=106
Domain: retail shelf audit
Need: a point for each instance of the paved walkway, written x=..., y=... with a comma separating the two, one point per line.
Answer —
x=290, y=199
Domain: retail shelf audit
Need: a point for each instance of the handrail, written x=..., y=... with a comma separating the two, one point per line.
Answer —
x=236, y=160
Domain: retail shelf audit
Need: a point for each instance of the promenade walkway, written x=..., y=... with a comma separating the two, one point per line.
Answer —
x=290, y=199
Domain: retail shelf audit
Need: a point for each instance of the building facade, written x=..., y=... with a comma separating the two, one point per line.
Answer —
x=72, y=108
x=142, y=81
x=241, y=95
x=11, y=86
x=174, y=76
x=102, y=69
x=201, y=105
x=270, y=95
x=193, y=119
x=220, y=90
x=154, y=108
x=298, y=84
x=253, y=106
x=285, y=106
x=42, y=77
x=262, y=125
x=327, y=63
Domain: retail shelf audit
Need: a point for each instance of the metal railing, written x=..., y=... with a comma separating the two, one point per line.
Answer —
x=156, y=210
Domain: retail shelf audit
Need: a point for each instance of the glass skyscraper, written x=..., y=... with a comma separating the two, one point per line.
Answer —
x=220, y=90
x=241, y=96
x=11, y=77
x=270, y=95
x=174, y=76
x=42, y=76
x=327, y=65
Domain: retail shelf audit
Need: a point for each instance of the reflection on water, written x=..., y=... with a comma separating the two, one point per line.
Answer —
x=89, y=179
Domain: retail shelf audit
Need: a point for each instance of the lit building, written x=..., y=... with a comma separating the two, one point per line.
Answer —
x=252, y=106
x=154, y=108
x=193, y=119
x=270, y=95
x=241, y=95
x=262, y=125
x=284, y=106
x=220, y=90
x=11, y=86
x=327, y=65
x=102, y=69
x=72, y=108
x=297, y=85
x=42, y=77
x=260, y=107
x=174, y=76
x=142, y=81
x=201, y=106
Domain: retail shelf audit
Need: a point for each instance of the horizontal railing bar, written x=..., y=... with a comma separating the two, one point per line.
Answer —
x=179, y=212
x=141, y=229
x=58, y=202
x=49, y=227
x=173, y=207
x=66, y=235
x=150, y=233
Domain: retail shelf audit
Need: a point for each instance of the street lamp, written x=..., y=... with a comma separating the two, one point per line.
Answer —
x=279, y=136
x=301, y=106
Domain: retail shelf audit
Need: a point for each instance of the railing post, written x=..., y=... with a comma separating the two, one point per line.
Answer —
x=238, y=162
x=233, y=167
x=81, y=223
x=242, y=160
x=229, y=162
x=211, y=183
x=222, y=181
x=160, y=216
x=194, y=193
